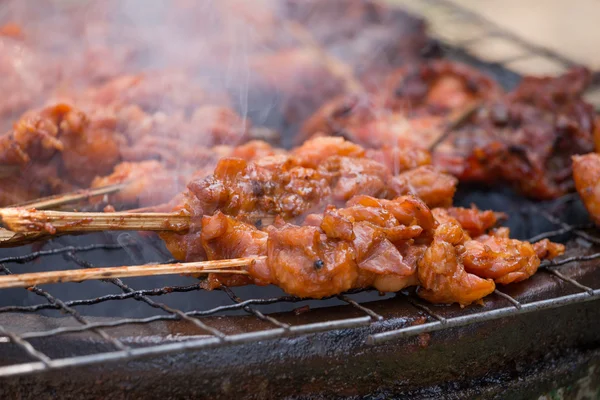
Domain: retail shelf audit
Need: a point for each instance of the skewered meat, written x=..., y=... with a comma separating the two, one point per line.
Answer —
x=319, y=260
x=286, y=186
x=435, y=188
x=586, y=173
x=442, y=274
x=283, y=185
x=385, y=244
x=145, y=177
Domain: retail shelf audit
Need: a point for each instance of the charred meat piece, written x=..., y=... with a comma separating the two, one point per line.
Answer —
x=526, y=138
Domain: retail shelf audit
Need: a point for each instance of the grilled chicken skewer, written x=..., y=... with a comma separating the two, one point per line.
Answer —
x=45, y=203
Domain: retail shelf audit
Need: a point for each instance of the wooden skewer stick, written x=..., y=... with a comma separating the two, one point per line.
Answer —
x=80, y=275
x=12, y=239
x=455, y=121
x=20, y=220
x=45, y=203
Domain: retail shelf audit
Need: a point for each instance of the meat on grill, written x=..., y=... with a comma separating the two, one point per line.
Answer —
x=329, y=220
x=586, y=173
x=385, y=244
x=525, y=137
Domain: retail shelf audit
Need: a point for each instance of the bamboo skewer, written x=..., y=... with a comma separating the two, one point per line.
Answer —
x=11, y=239
x=455, y=121
x=80, y=275
x=21, y=220
x=66, y=198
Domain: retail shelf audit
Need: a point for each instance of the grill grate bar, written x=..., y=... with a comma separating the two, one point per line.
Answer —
x=119, y=283
x=424, y=308
x=582, y=234
x=68, y=249
x=483, y=316
x=514, y=301
x=253, y=311
x=68, y=310
x=572, y=281
x=101, y=299
x=492, y=29
x=562, y=231
x=366, y=310
x=568, y=260
x=196, y=344
x=26, y=346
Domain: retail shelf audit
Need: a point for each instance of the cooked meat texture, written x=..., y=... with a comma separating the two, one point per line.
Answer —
x=313, y=152
x=362, y=245
x=253, y=190
x=506, y=260
x=224, y=237
x=586, y=174
x=442, y=274
x=438, y=88
x=475, y=221
x=321, y=172
x=526, y=138
x=150, y=184
x=423, y=98
x=400, y=158
x=502, y=259
x=434, y=187
x=458, y=268
x=364, y=119
x=58, y=148
x=547, y=250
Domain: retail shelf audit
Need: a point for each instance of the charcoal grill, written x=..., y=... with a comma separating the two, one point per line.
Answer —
x=166, y=338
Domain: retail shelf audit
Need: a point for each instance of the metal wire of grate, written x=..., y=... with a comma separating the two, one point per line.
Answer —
x=211, y=337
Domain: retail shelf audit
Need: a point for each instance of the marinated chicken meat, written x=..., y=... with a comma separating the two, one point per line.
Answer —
x=586, y=173
x=525, y=137
x=285, y=185
x=412, y=113
x=384, y=244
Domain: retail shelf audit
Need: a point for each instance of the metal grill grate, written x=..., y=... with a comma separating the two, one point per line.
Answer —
x=207, y=336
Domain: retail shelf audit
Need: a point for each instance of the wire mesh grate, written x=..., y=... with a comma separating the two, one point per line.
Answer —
x=205, y=335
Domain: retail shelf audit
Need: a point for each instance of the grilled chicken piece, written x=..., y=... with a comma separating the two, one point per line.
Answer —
x=354, y=247
x=526, y=138
x=442, y=275
x=586, y=173
x=413, y=113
